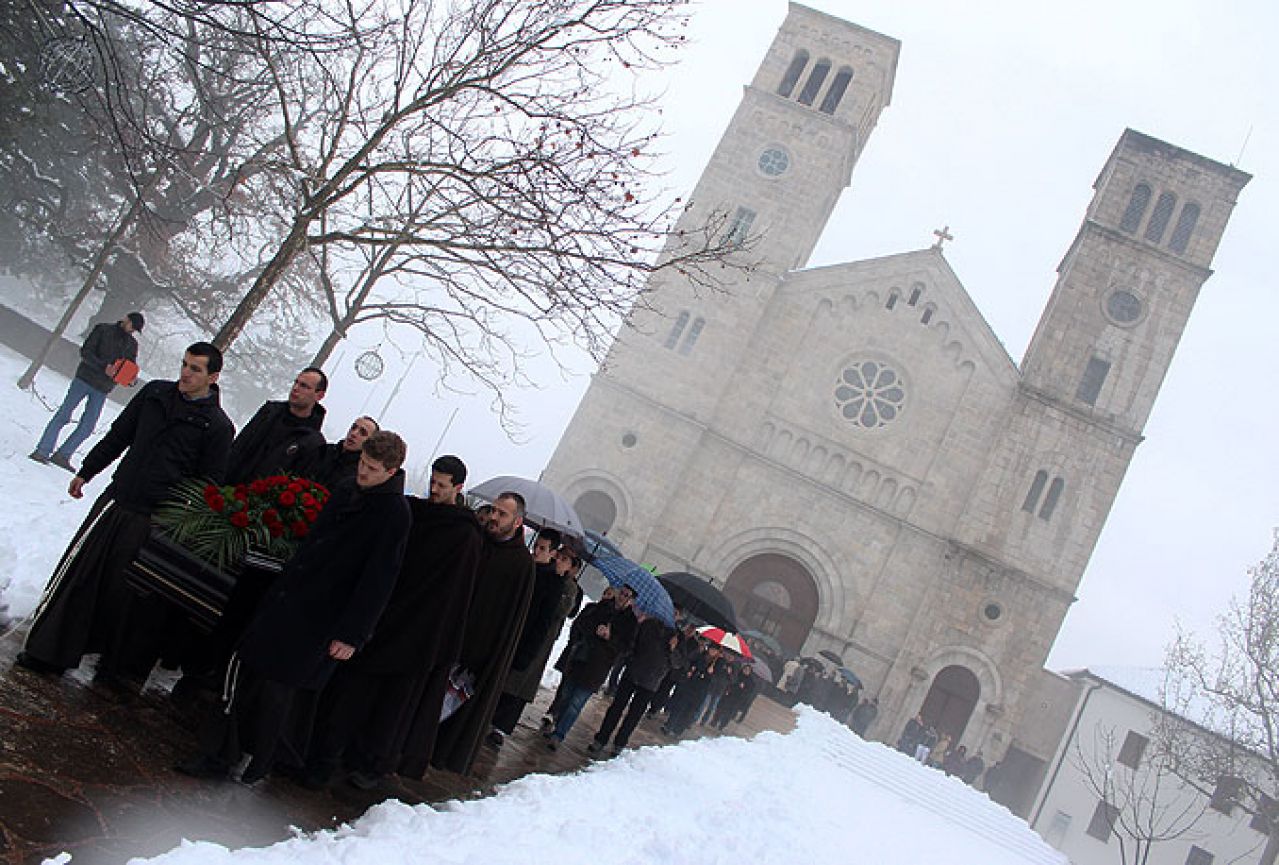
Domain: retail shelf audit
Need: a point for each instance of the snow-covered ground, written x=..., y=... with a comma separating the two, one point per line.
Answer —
x=816, y=795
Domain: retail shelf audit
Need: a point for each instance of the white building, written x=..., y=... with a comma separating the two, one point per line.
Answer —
x=1107, y=787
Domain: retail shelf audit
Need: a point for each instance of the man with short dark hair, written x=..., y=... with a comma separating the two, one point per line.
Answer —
x=101, y=357
x=499, y=606
x=336, y=462
x=320, y=613
x=169, y=431
x=284, y=436
x=386, y=703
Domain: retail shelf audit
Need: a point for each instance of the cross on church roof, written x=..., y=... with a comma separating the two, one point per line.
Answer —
x=943, y=235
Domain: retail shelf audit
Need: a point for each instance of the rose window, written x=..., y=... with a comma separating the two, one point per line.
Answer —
x=773, y=162
x=869, y=394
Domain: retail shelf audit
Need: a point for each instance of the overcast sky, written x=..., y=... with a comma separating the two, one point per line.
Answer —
x=1002, y=116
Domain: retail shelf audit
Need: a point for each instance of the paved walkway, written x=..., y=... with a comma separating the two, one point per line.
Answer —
x=86, y=770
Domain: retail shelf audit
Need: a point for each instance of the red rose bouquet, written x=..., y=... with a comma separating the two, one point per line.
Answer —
x=219, y=524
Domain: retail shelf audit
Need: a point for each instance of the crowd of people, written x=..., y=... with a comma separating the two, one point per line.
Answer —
x=830, y=692
x=404, y=632
x=935, y=748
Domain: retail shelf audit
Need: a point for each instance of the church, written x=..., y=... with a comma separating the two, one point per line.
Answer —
x=848, y=451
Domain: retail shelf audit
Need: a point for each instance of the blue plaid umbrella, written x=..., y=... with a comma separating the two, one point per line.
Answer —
x=650, y=596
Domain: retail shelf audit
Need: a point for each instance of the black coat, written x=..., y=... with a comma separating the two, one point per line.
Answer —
x=276, y=441
x=499, y=606
x=592, y=656
x=421, y=627
x=334, y=466
x=651, y=655
x=105, y=344
x=167, y=437
x=335, y=588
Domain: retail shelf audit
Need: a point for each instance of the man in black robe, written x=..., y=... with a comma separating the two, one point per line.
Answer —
x=336, y=462
x=320, y=613
x=283, y=436
x=169, y=431
x=499, y=605
x=368, y=712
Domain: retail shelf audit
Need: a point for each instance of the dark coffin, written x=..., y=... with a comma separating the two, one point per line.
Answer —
x=168, y=570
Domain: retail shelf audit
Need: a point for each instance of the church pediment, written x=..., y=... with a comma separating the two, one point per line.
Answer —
x=909, y=291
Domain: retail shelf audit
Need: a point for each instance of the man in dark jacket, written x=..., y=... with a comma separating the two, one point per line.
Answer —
x=336, y=462
x=168, y=431
x=282, y=436
x=106, y=346
x=649, y=663
x=320, y=613
x=600, y=633
x=499, y=605
x=367, y=713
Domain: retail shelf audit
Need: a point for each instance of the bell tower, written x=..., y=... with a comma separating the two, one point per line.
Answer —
x=770, y=185
x=1124, y=293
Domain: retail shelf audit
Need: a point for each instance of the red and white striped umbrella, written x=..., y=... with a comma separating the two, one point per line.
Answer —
x=727, y=639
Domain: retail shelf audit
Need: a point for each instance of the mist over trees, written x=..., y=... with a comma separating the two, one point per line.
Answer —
x=274, y=174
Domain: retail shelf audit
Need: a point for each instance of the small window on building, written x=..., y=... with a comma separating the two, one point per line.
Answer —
x=915, y=294
x=740, y=226
x=1159, y=217
x=672, y=338
x=1226, y=795
x=1133, y=748
x=814, y=83
x=837, y=89
x=1185, y=227
x=791, y=78
x=693, y=333
x=893, y=297
x=1103, y=821
x=1262, y=820
x=1050, y=500
x=928, y=315
x=1057, y=829
x=1198, y=856
x=1036, y=490
x=1136, y=209
x=1094, y=377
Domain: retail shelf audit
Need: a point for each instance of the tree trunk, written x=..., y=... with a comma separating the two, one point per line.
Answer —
x=270, y=275
x=336, y=335
x=99, y=262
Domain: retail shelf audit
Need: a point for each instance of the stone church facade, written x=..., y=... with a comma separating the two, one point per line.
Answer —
x=848, y=450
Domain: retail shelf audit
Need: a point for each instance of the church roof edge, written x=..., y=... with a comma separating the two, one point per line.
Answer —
x=1133, y=140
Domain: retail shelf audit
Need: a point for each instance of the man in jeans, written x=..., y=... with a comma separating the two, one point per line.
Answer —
x=107, y=345
x=599, y=634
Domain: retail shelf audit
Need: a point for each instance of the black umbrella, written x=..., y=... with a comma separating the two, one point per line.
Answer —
x=700, y=599
x=832, y=657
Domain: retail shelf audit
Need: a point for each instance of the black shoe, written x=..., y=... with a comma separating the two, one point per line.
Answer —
x=36, y=456
x=203, y=766
x=62, y=463
x=364, y=780
x=547, y=725
x=595, y=747
x=552, y=744
x=254, y=772
x=29, y=662
x=494, y=739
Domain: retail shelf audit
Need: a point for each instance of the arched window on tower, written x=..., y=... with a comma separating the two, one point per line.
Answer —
x=837, y=89
x=1036, y=490
x=1136, y=209
x=1159, y=217
x=693, y=333
x=672, y=338
x=791, y=78
x=1185, y=227
x=893, y=297
x=1050, y=500
x=814, y=83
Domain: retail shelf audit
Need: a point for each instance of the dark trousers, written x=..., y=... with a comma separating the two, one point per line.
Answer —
x=508, y=711
x=629, y=698
x=359, y=719
x=265, y=718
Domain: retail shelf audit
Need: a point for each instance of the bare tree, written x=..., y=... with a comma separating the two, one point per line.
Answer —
x=481, y=164
x=1146, y=805
x=1234, y=686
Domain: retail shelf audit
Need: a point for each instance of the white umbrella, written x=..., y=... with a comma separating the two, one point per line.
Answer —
x=543, y=507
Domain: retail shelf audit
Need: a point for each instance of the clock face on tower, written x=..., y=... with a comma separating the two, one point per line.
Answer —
x=773, y=162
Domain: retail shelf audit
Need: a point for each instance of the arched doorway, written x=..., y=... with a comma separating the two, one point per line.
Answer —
x=774, y=594
x=597, y=510
x=951, y=700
